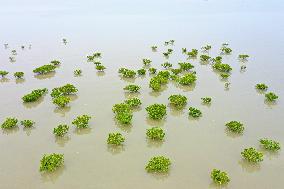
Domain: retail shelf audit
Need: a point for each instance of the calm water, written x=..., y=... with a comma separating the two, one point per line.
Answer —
x=124, y=31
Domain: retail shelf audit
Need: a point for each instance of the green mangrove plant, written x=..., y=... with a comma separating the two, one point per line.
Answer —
x=176, y=71
x=3, y=73
x=60, y=130
x=61, y=101
x=155, y=133
x=154, y=48
x=63, y=90
x=133, y=102
x=178, y=100
x=166, y=65
x=261, y=86
x=152, y=70
x=235, y=126
x=206, y=100
x=222, y=67
x=55, y=62
x=158, y=164
x=219, y=177
x=243, y=56
x=194, y=112
x=81, y=121
x=100, y=67
x=132, y=88
x=185, y=66
x=123, y=113
x=252, y=155
x=27, y=123
x=183, y=50
x=34, y=95
x=269, y=144
x=77, y=72
x=156, y=111
x=9, y=123
x=271, y=96
x=51, y=162
x=146, y=62
x=187, y=79
x=127, y=73
x=193, y=53
x=206, y=48
x=44, y=69
x=115, y=139
x=204, y=57
x=141, y=71
x=19, y=75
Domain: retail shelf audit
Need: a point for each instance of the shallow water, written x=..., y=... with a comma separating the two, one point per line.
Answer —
x=124, y=31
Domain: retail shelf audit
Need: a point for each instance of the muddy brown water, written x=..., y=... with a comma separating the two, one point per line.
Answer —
x=124, y=32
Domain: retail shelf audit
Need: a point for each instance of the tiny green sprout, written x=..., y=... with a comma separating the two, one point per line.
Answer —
x=222, y=67
x=167, y=65
x=14, y=52
x=235, y=126
x=154, y=48
x=97, y=63
x=133, y=102
x=3, y=73
x=271, y=96
x=219, y=177
x=217, y=59
x=124, y=117
x=206, y=100
x=252, y=155
x=81, y=121
x=194, y=112
x=44, y=69
x=100, y=67
x=146, y=62
x=27, y=123
x=225, y=75
x=121, y=108
x=166, y=54
x=193, y=53
x=97, y=55
x=157, y=111
x=178, y=101
x=141, y=71
x=152, y=70
x=172, y=41
x=55, y=62
x=261, y=86
x=270, y=144
x=206, y=47
x=204, y=57
x=19, y=75
x=155, y=133
x=77, y=72
x=185, y=66
x=63, y=90
x=225, y=49
x=51, y=162
x=9, y=123
x=61, y=101
x=243, y=56
x=34, y=95
x=183, y=50
x=170, y=51
x=115, y=139
x=132, y=88
x=60, y=130
x=158, y=164
x=90, y=58
x=127, y=73
x=167, y=43
x=176, y=71
x=187, y=79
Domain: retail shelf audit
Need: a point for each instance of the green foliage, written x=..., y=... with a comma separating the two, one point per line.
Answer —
x=261, y=86
x=220, y=177
x=193, y=53
x=225, y=49
x=19, y=75
x=45, y=69
x=206, y=47
x=206, y=100
x=9, y=123
x=154, y=48
x=94, y=56
x=77, y=72
x=176, y=71
x=132, y=88
x=271, y=96
x=252, y=155
x=60, y=130
x=152, y=70
x=127, y=73
x=155, y=133
x=115, y=139
x=100, y=67
x=3, y=73
x=166, y=54
x=155, y=83
x=61, y=101
x=167, y=65
x=141, y=71
x=63, y=90
x=97, y=63
x=156, y=111
x=225, y=75
x=51, y=162
x=270, y=144
x=121, y=108
x=243, y=56
x=146, y=62
x=178, y=101
x=165, y=75
x=217, y=59
x=187, y=79
x=123, y=112
x=133, y=102
x=194, y=112
x=81, y=121
x=34, y=95
x=235, y=126
x=124, y=117
x=159, y=164
x=170, y=51
x=27, y=123
x=185, y=66
x=204, y=57
x=55, y=62
x=222, y=67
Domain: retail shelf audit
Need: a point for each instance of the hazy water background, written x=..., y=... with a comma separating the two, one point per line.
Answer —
x=124, y=31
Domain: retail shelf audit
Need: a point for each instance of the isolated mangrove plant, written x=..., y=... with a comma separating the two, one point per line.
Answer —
x=19, y=75
x=158, y=164
x=55, y=62
x=123, y=113
x=132, y=88
x=206, y=100
x=152, y=70
x=81, y=121
x=115, y=139
x=193, y=53
x=9, y=123
x=167, y=65
x=77, y=72
x=206, y=48
x=133, y=102
x=185, y=66
x=187, y=79
x=271, y=96
x=51, y=162
x=154, y=48
x=60, y=130
x=270, y=144
x=225, y=49
x=243, y=56
x=219, y=177
x=156, y=111
x=63, y=90
x=44, y=69
x=261, y=86
x=27, y=123
x=146, y=62
x=204, y=57
x=178, y=100
x=235, y=126
x=183, y=50
x=100, y=67
x=127, y=72
x=155, y=133
x=3, y=73
x=176, y=71
x=225, y=75
x=34, y=95
x=61, y=101
x=194, y=112
x=252, y=155
x=141, y=71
